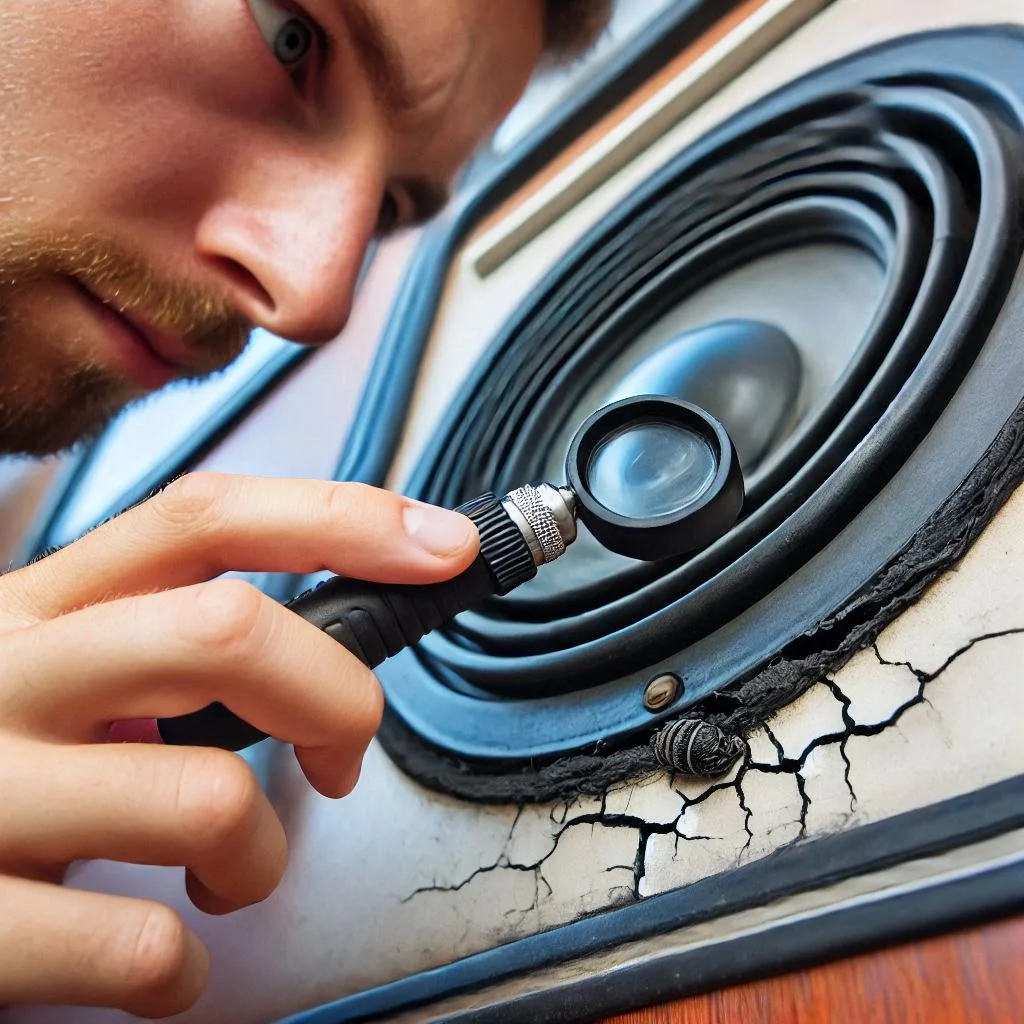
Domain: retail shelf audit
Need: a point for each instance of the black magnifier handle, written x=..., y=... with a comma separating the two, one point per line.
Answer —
x=375, y=621
x=532, y=526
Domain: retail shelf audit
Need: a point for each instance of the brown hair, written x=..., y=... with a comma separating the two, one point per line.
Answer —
x=573, y=26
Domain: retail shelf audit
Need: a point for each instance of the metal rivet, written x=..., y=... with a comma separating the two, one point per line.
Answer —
x=661, y=691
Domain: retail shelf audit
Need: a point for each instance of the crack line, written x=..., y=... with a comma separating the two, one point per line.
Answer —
x=794, y=766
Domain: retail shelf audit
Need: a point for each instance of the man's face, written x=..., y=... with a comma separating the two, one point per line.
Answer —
x=174, y=171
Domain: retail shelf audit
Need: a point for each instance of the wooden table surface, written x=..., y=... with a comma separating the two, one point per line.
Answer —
x=972, y=977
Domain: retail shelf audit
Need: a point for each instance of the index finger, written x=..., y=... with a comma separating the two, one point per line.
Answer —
x=206, y=524
x=172, y=653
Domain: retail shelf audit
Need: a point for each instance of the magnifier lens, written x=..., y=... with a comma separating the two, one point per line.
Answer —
x=654, y=477
x=650, y=468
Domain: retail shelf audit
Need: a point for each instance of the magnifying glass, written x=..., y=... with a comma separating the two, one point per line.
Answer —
x=651, y=477
x=654, y=477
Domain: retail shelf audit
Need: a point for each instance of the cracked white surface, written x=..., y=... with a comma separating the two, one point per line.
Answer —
x=762, y=750
x=876, y=691
x=987, y=593
x=395, y=879
x=831, y=803
x=776, y=808
x=652, y=800
x=966, y=732
x=796, y=728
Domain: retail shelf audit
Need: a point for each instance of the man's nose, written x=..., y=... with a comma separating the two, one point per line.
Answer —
x=288, y=247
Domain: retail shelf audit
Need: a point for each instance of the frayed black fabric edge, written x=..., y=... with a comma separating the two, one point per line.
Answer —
x=938, y=545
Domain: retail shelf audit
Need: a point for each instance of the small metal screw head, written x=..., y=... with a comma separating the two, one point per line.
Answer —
x=662, y=691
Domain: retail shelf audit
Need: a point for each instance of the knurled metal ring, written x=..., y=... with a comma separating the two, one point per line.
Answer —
x=541, y=519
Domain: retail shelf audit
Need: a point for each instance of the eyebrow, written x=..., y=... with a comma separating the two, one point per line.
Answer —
x=384, y=65
x=380, y=56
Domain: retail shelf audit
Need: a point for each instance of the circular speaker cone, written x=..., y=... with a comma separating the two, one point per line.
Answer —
x=909, y=155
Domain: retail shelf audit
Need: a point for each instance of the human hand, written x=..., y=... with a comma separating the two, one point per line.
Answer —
x=130, y=623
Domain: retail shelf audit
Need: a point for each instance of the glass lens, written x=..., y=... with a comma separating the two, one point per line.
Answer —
x=651, y=468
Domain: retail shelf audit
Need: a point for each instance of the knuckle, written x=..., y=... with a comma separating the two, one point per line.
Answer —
x=217, y=799
x=224, y=616
x=19, y=601
x=352, y=503
x=193, y=501
x=155, y=946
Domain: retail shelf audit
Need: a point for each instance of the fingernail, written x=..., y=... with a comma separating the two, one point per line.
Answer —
x=438, y=530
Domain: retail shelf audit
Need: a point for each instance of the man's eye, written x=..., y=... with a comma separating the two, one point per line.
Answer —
x=290, y=36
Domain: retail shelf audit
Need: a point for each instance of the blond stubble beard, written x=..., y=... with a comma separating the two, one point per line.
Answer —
x=51, y=400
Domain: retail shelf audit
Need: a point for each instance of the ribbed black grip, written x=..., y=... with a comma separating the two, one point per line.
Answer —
x=502, y=546
x=375, y=621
